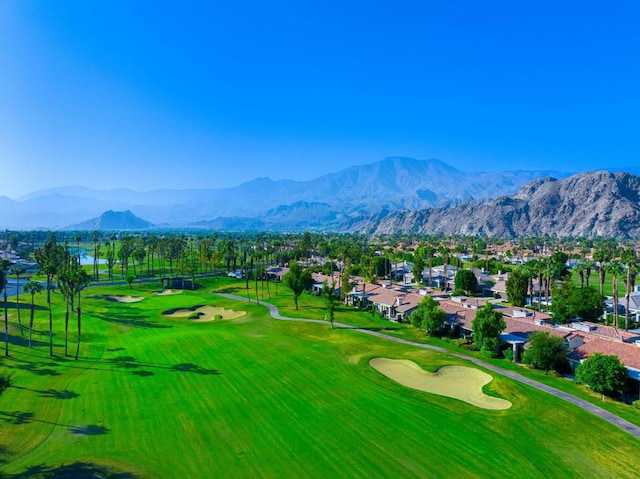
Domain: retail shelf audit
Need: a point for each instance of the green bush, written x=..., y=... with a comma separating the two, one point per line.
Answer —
x=490, y=352
x=508, y=353
x=636, y=404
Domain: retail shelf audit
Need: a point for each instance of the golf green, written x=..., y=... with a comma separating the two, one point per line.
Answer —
x=153, y=396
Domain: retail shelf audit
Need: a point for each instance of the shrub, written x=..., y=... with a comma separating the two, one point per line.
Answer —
x=636, y=404
x=490, y=353
x=508, y=353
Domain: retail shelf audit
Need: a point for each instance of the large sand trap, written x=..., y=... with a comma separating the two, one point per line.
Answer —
x=166, y=292
x=205, y=313
x=120, y=298
x=458, y=382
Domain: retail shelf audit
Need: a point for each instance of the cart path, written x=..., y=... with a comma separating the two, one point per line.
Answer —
x=586, y=405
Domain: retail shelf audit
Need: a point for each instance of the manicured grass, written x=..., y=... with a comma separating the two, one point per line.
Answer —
x=256, y=397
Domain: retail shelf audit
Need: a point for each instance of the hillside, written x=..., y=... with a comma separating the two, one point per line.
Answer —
x=112, y=221
x=586, y=204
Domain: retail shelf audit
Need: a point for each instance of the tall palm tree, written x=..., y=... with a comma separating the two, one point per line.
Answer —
x=80, y=281
x=605, y=251
x=629, y=259
x=444, y=252
x=4, y=266
x=529, y=270
x=34, y=288
x=96, y=252
x=50, y=259
x=614, y=268
x=589, y=266
x=580, y=269
x=18, y=269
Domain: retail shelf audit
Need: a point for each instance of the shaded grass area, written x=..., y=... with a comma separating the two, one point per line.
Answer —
x=264, y=398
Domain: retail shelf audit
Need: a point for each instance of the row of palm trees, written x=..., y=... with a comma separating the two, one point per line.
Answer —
x=254, y=252
x=56, y=263
x=32, y=287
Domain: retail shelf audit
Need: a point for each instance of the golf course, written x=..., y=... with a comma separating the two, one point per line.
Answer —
x=189, y=384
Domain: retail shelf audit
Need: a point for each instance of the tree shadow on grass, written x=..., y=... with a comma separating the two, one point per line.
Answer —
x=17, y=417
x=129, y=319
x=90, y=430
x=4, y=452
x=192, y=368
x=129, y=362
x=35, y=368
x=18, y=340
x=125, y=362
x=76, y=470
x=24, y=305
x=51, y=393
x=22, y=417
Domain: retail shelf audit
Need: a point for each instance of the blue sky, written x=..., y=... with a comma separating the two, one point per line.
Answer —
x=152, y=94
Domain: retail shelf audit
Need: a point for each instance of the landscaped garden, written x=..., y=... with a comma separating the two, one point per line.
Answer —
x=245, y=395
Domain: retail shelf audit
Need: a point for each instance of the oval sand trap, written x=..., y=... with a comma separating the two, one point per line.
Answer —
x=167, y=292
x=205, y=313
x=120, y=298
x=457, y=382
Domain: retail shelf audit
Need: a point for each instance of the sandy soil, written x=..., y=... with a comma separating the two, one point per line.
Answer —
x=166, y=292
x=123, y=298
x=205, y=313
x=458, y=382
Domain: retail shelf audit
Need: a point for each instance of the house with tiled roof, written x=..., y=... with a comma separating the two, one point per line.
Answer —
x=319, y=280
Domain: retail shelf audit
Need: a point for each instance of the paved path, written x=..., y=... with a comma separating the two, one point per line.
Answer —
x=586, y=405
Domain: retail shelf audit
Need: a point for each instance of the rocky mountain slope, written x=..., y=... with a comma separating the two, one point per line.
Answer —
x=587, y=204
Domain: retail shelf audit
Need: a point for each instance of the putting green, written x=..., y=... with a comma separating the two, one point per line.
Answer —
x=458, y=382
x=205, y=313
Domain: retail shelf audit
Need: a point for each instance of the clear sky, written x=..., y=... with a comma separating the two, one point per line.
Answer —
x=149, y=94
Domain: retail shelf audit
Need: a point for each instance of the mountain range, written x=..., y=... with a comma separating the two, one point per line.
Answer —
x=587, y=204
x=393, y=195
x=391, y=184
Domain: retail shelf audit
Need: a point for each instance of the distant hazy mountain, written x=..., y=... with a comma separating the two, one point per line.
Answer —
x=391, y=184
x=587, y=204
x=112, y=221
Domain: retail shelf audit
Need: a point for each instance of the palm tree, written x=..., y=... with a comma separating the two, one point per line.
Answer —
x=34, y=288
x=50, y=259
x=630, y=260
x=580, y=269
x=604, y=252
x=4, y=265
x=614, y=268
x=65, y=287
x=80, y=281
x=529, y=270
x=588, y=267
x=444, y=252
x=96, y=252
x=18, y=269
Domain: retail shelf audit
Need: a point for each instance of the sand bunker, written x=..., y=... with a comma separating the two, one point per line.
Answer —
x=120, y=298
x=458, y=382
x=205, y=313
x=167, y=292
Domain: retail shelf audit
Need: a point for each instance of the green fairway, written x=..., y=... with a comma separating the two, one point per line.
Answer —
x=162, y=397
